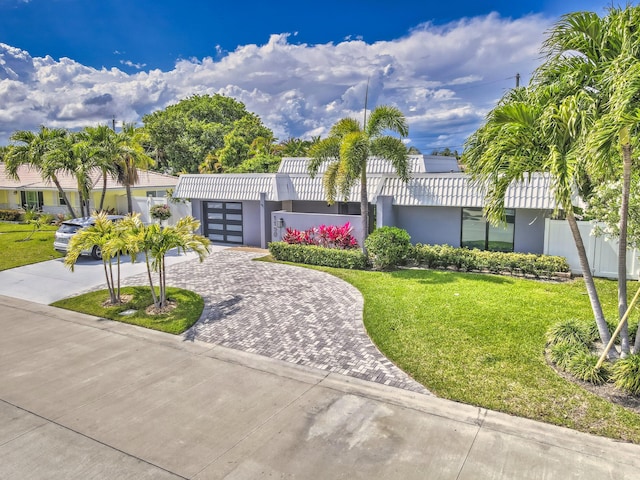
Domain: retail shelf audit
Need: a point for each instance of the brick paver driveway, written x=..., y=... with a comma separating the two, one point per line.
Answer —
x=289, y=313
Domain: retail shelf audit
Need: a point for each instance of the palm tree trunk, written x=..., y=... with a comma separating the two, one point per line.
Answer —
x=63, y=194
x=129, y=201
x=601, y=323
x=104, y=188
x=153, y=291
x=364, y=206
x=622, y=248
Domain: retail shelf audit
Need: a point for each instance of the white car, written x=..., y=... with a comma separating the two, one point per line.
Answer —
x=69, y=228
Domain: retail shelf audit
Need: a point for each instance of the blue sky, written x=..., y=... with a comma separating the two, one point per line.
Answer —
x=299, y=65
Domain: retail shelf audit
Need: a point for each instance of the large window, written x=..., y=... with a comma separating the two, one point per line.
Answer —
x=31, y=200
x=478, y=233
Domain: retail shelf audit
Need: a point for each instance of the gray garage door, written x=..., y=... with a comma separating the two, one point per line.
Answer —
x=223, y=222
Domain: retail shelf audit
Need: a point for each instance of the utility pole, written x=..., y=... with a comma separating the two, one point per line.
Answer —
x=113, y=123
x=517, y=80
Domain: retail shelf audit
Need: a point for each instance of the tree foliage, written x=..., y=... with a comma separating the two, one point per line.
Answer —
x=215, y=128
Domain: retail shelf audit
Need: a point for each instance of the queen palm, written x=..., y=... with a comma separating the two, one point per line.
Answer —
x=105, y=139
x=599, y=56
x=529, y=132
x=129, y=157
x=348, y=148
x=33, y=149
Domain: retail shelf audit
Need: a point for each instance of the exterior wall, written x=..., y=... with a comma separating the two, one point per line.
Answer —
x=341, y=208
x=270, y=207
x=281, y=220
x=384, y=212
x=251, y=234
x=430, y=225
x=529, y=230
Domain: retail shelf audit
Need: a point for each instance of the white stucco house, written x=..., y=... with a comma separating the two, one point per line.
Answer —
x=438, y=205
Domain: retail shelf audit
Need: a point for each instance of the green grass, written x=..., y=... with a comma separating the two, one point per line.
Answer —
x=15, y=251
x=187, y=312
x=480, y=340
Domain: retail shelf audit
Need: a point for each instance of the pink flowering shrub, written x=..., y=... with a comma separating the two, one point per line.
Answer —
x=328, y=236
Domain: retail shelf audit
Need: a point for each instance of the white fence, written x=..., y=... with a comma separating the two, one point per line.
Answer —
x=602, y=252
x=142, y=205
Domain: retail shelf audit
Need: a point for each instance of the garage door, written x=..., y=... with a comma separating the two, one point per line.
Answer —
x=223, y=222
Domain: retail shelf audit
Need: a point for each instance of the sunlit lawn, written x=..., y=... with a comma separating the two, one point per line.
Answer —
x=188, y=308
x=16, y=251
x=480, y=339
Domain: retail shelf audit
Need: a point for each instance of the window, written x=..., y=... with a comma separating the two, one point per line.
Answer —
x=156, y=193
x=478, y=233
x=61, y=199
x=31, y=200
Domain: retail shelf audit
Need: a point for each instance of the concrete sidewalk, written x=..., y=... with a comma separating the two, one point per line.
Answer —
x=87, y=398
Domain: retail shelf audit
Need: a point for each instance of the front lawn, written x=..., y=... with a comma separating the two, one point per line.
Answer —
x=188, y=308
x=480, y=339
x=15, y=251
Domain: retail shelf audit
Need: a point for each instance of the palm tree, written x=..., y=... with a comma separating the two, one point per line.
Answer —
x=529, y=132
x=103, y=235
x=130, y=156
x=599, y=56
x=105, y=139
x=348, y=148
x=33, y=149
x=157, y=241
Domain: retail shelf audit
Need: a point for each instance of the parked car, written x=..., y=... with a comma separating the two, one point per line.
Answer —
x=69, y=228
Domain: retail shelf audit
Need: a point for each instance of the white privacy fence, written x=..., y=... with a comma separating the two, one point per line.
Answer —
x=142, y=205
x=602, y=252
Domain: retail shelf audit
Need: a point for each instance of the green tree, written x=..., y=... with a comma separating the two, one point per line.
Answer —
x=33, y=149
x=129, y=157
x=106, y=236
x=182, y=135
x=347, y=149
x=156, y=241
x=599, y=55
x=106, y=141
x=528, y=131
x=247, y=138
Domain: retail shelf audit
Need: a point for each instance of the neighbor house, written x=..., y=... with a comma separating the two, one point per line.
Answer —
x=439, y=205
x=31, y=191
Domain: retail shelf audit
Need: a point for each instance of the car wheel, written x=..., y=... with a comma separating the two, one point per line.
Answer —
x=96, y=252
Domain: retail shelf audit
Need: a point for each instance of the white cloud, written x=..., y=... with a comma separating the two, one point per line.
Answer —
x=445, y=79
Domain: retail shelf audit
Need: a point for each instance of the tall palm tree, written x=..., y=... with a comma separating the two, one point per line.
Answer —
x=529, y=132
x=33, y=149
x=130, y=157
x=105, y=139
x=599, y=55
x=348, y=148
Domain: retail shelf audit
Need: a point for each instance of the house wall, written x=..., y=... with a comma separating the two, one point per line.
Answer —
x=430, y=225
x=349, y=208
x=529, y=230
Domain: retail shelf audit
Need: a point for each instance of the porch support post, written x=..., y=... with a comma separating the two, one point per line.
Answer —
x=263, y=220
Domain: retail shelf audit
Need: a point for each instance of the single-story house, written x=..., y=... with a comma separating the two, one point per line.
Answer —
x=439, y=205
x=31, y=191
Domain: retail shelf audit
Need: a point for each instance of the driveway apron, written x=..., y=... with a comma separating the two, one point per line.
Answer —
x=284, y=312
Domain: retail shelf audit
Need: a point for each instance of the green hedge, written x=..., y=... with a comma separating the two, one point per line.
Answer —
x=445, y=256
x=314, y=255
x=10, y=215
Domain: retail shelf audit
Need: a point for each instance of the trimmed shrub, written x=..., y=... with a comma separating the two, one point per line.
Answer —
x=328, y=236
x=570, y=332
x=626, y=374
x=10, y=215
x=315, y=255
x=562, y=354
x=583, y=367
x=445, y=256
x=388, y=247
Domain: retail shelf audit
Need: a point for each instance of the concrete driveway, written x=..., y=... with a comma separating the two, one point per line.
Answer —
x=49, y=281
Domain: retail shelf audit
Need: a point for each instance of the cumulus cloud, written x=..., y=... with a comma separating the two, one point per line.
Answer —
x=444, y=78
